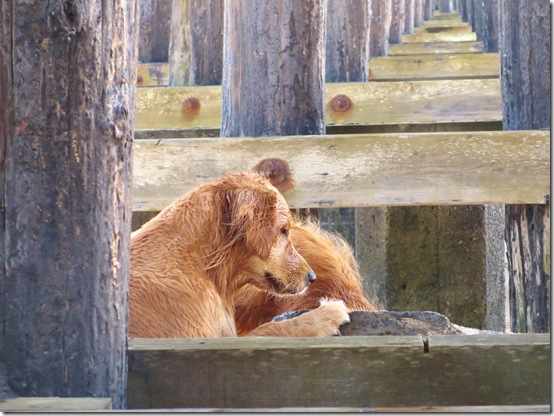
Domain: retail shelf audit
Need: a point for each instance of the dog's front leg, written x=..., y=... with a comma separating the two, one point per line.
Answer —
x=323, y=321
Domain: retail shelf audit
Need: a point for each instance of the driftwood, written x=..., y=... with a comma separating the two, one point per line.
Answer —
x=404, y=323
x=397, y=323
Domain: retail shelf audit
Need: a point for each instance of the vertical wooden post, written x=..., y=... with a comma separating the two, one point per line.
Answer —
x=342, y=47
x=397, y=21
x=446, y=6
x=381, y=11
x=469, y=12
x=67, y=79
x=491, y=25
x=478, y=21
x=409, y=17
x=273, y=84
x=525, y=65
x=428, y=9
x=418, y=13
x=462, y=10
x=486, y=24
x=153, y=36
x=445, y=258
x=347, y=40
x=196, y=46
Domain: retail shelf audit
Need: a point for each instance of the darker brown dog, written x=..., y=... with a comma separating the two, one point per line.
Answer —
x=333, y=262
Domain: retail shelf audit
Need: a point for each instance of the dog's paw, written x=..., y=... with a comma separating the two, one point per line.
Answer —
x=323, y=321
x=329, y=316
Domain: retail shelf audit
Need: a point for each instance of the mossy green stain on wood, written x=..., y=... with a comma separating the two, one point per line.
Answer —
x=361, y=371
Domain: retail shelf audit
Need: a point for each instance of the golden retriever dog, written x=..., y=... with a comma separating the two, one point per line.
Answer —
x=189, y=261
x=333, y=262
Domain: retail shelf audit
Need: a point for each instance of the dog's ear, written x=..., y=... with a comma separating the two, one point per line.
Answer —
x=253, y=214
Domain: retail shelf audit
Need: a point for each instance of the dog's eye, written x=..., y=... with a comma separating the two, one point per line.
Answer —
x=285, y=231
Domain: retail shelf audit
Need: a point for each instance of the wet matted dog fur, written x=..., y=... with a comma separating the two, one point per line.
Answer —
x=189, y=262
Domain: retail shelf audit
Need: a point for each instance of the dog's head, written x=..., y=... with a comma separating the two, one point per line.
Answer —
x=256, y=221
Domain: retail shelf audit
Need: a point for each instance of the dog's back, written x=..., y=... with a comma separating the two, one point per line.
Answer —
x=170, y=293
x=188, y=262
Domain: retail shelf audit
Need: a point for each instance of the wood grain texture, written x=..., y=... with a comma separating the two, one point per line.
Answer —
x=446, y=16
x=527, y=104
x=359, y=170
x=418, y=13
x=425, y=61
x=444, y=23
x=434, y=67
x=397, y=21
x=362, y=371
x=152, y=74
x=419, y=48
x=347, y=40
x=451, y=29
x=273, y=84
x=381, y=15
x=446, y=6
x=422, y=409
x=409, y=16
x=196, y=47
x=66, y=143
x=55, y=404
x=382, y=103
x=153, y=30
x=428, y=9
x=440, y=37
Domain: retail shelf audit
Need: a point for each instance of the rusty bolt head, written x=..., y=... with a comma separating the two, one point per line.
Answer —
x=277, y=171
x=190, y=107
x=140, y=80
x=341, y=103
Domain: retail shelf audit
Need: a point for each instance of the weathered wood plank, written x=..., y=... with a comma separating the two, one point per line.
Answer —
x=420, y=48
x=379, y=103
x=152, y=74
x=430, y=63
x=153, y=27
x=359, y=170
x=434, y=67
x=440, y=37
x=445, y=23
x=55, y=404
x=426, y=127
x=446, y=16
x=365, y=371
x=424, y=409
x=451, y=29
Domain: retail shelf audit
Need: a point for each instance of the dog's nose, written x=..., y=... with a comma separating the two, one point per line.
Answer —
x=310, y=277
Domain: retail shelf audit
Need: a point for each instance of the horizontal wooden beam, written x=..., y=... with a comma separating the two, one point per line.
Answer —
x=401, y=103
x=415, y=409
x=420, y=48
x=504, y=167
x=446, y=16
x=354, y=372
x=445, y=23
x=423, y=66
x=153, y=74
x=445, y=28
x=440, y=37
x=56, y=404
x=434, y=67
